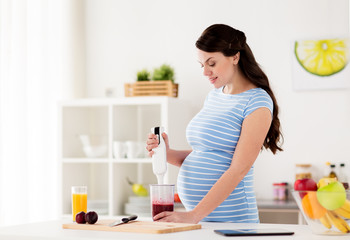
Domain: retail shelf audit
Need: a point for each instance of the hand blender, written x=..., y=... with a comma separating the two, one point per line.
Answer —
x=159, y=162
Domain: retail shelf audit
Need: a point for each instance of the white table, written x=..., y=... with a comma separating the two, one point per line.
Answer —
x=52, y=230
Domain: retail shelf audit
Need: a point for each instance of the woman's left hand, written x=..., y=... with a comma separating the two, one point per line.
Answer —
x=179, y=217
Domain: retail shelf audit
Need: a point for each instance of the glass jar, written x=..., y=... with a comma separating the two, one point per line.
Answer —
x=302, y=171
x=280, y=191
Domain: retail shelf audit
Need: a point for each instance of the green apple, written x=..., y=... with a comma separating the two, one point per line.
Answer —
x=331, y=196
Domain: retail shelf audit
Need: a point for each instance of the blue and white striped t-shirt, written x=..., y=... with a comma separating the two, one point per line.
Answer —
x=213, y=135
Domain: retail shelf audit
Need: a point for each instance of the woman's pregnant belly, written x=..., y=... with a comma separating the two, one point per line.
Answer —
x=197, y=175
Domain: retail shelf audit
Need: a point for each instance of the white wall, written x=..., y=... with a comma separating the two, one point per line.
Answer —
x=123, y=37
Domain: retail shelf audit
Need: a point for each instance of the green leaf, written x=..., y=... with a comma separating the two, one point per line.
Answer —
x=143, y=75
x=164, y=72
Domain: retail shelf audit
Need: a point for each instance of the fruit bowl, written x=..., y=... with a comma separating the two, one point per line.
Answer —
x=326, y=213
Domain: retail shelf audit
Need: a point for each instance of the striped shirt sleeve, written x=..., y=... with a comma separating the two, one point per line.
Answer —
x=260, y=99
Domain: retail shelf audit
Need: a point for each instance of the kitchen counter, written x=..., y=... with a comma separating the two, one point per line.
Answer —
x=52, y=230
x=276, y=204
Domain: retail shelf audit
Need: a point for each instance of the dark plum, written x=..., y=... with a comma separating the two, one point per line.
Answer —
x=91, y=217
x=80, y=217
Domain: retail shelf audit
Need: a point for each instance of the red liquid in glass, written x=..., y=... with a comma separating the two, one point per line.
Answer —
x=161, y=207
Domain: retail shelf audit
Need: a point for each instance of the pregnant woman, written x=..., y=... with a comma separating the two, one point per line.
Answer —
x=238, y=119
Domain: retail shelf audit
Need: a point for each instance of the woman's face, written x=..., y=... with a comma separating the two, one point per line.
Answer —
x=218, y=68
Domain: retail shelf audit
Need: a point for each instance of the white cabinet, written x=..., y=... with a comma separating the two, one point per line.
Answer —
x=118, y=119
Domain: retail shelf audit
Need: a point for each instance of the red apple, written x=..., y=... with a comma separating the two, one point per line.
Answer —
x=305, y=184
x=176, y=197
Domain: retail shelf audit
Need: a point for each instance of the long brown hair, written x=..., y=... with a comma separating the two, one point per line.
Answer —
x=230, y=41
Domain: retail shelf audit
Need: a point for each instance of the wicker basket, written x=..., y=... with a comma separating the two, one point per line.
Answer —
x=151, y=88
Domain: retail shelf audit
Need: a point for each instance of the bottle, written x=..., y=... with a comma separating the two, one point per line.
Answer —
x=342, y=176
x=327, y=170
x=332, y=174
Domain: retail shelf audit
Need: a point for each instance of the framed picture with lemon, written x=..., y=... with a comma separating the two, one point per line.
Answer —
x=321, y=64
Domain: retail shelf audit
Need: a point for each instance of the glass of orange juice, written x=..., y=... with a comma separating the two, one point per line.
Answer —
x=79, y=200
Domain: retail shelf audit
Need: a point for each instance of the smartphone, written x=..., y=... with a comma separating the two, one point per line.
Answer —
x=253, y=232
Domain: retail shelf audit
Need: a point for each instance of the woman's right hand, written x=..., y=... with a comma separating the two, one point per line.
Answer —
x=152, y=142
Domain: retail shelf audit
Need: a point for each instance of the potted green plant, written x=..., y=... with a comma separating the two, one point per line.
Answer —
x=162, y=83
x=164, y=72
x=143, y=75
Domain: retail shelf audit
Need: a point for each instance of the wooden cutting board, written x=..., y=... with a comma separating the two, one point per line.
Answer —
x=135, y=226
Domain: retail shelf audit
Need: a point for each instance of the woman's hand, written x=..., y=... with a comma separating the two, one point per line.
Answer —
x=152, y=142
x=179, y=217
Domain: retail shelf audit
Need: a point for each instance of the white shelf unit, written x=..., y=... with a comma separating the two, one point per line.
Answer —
x=119, y=119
